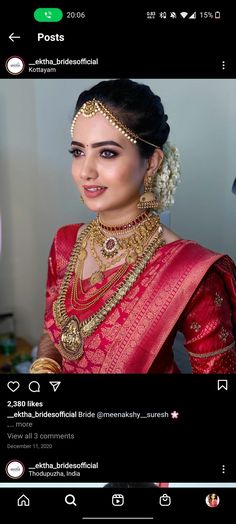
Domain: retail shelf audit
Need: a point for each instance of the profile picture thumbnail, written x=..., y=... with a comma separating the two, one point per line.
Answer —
x=212, y=500
x=15, y=469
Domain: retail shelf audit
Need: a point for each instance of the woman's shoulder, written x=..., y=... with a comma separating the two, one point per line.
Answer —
x=67, y=234
x=64, y=240
x=198, y=257
x=189, y=250
x=187, y=245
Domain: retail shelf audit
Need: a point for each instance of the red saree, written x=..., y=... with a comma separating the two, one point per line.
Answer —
x=184, y=287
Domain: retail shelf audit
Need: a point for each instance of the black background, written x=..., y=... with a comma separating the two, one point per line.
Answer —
x=125, y=41
x=192, y=448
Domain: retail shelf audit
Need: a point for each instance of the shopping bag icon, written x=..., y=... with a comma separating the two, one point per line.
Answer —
x=165, y=500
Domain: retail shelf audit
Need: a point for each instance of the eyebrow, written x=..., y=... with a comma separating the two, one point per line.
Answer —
x=98, y=144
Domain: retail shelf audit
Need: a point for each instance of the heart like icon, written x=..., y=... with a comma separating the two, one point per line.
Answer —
x=13, y=386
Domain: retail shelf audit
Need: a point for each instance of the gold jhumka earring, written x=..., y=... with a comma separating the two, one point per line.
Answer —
x=148, y=199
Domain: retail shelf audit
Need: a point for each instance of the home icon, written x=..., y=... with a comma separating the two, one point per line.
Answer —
x=23, y=501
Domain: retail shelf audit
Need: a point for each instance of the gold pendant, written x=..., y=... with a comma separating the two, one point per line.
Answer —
x=96, y=277
x=110, y=247
x=71, y=340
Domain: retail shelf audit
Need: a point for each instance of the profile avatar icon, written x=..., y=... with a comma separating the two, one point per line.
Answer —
x=212, y=500
x=15, y=469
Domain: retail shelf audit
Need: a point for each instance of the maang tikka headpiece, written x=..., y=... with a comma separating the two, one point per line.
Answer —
x=91, y=107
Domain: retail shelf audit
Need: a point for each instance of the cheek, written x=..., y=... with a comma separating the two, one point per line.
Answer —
x=129, y=175
x=75, y=171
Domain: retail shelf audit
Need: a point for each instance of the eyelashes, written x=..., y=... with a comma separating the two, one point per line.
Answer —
x=74, y=152
x=105, y=153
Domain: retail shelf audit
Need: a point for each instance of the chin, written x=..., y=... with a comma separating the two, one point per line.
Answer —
x=99, y=204
x=96, y=207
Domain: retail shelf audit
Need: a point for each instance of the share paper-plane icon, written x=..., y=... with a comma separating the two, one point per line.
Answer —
x=55, y=385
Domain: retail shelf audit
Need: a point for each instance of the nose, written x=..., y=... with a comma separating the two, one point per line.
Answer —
x=88, y=168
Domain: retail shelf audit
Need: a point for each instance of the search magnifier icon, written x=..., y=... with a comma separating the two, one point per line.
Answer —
x=70, y=499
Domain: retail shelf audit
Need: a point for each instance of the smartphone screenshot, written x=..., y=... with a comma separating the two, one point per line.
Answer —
x=117, y=254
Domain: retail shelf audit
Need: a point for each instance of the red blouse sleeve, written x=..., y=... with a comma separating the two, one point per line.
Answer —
x=207, y=325
x=58, y=259
x=51, y=286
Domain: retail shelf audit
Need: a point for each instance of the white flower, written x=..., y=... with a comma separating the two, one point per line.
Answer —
x=167, y=177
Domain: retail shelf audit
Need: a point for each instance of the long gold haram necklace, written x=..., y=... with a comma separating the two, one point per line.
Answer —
x=73, y=332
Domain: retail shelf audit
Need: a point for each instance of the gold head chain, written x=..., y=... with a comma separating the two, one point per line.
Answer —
x=92, y=107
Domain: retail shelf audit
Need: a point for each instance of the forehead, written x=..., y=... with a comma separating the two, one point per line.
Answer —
x=96, y=129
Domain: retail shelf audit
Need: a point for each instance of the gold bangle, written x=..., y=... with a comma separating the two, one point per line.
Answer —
x=45, y=365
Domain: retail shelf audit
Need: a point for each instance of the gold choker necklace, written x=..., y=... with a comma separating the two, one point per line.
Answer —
x=133, y=244
x=124, y=228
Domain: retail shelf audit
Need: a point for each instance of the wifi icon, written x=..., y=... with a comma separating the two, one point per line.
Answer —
x=183, y=14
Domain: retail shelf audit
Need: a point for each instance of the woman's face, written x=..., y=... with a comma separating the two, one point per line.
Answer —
x=107, y=168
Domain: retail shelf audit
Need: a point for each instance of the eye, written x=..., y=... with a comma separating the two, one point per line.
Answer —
x=76, y=152
x=108, y=153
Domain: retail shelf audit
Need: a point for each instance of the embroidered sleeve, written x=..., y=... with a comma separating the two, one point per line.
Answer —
x=58, y=259
x=207, y=325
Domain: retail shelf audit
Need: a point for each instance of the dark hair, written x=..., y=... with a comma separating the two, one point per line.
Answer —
x=136, y=106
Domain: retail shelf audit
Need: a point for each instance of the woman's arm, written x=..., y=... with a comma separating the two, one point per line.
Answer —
x=48, y=358
x=207, y=324
x=47, y=349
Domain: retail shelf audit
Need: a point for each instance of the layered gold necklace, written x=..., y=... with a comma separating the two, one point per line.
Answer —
x=139, y=249
x=131, y=247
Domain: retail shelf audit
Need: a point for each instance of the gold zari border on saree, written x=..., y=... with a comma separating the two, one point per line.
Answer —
x=212, y=353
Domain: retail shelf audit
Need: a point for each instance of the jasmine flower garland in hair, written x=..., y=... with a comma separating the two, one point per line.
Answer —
x=167, y=177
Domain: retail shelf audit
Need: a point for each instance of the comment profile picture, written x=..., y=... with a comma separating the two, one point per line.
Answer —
x=15, y=469
x=15, y=65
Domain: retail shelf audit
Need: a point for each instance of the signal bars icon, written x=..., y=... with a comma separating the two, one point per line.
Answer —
x=184, y=14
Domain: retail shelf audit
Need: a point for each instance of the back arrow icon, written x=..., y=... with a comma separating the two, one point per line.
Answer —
x=12, y=37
